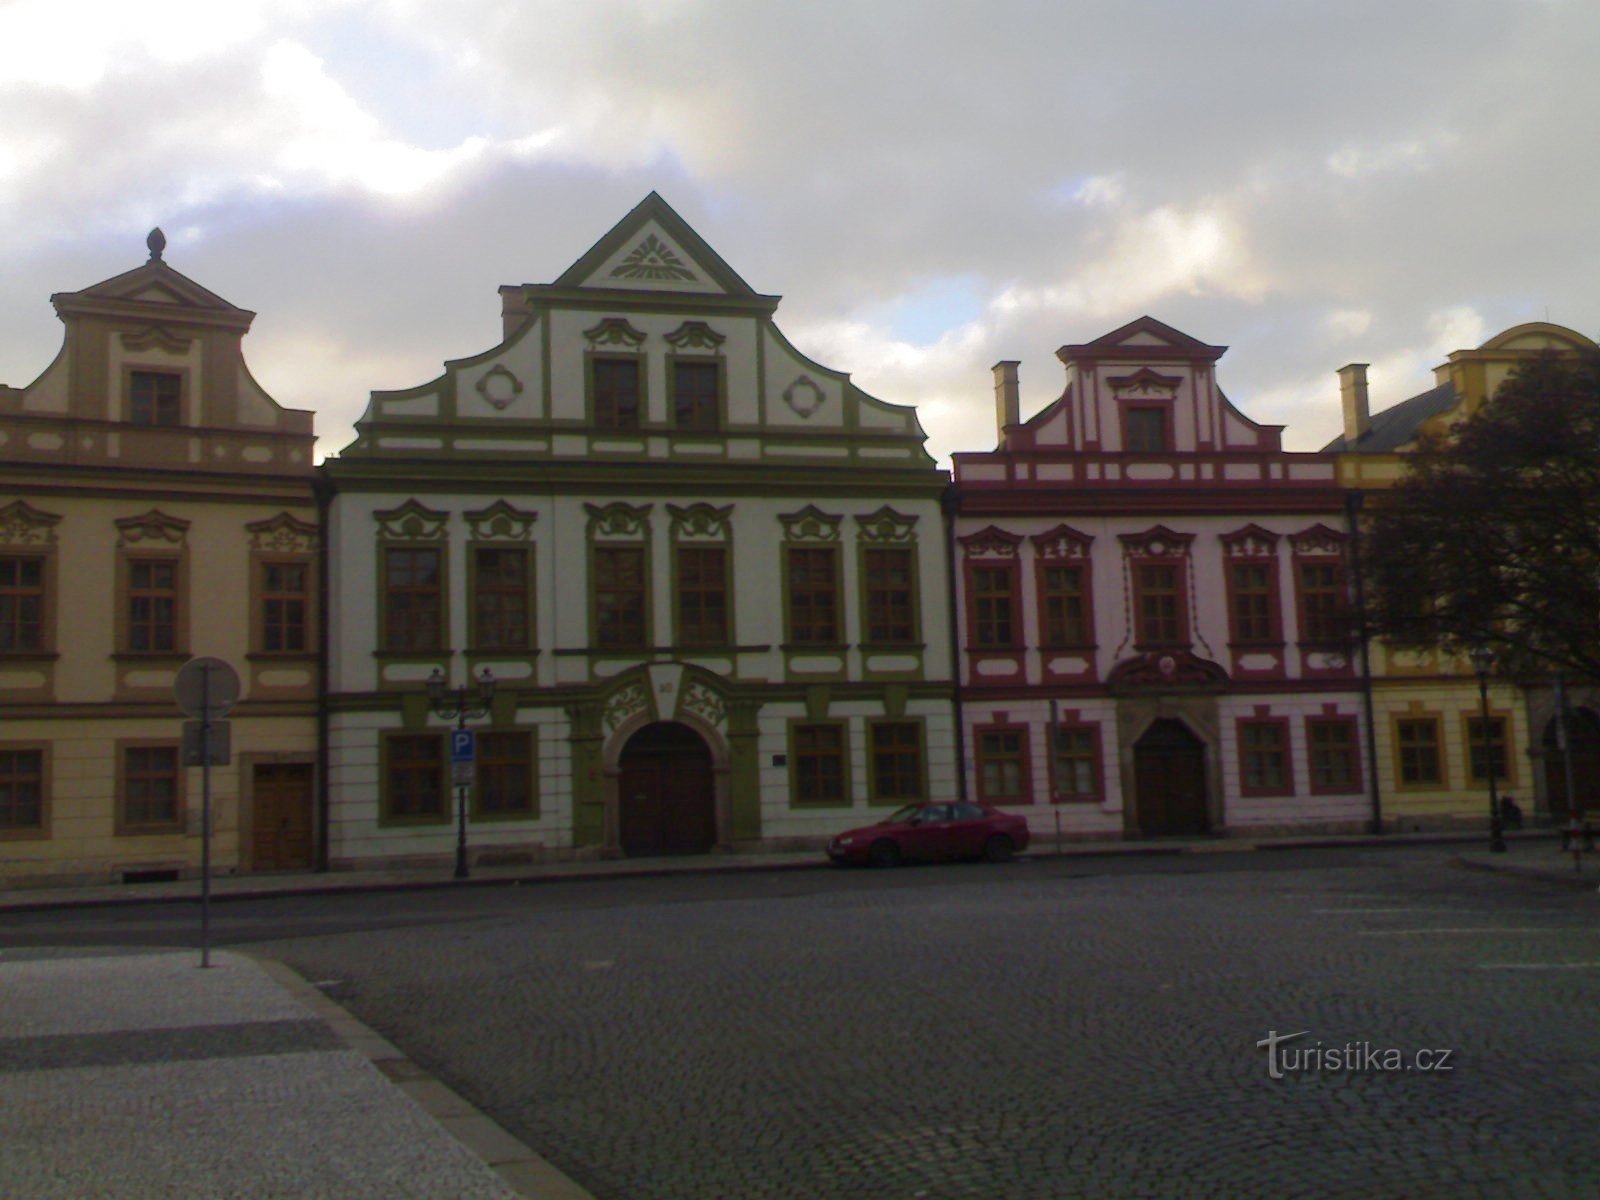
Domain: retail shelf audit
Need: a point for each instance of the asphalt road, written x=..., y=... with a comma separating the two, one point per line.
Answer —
x=1043, y=1029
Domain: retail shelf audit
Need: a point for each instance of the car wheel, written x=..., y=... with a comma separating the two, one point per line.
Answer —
x=999, y=848
x=884, y=854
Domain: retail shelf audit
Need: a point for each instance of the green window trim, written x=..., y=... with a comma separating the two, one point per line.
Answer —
x=867, y=555
x=502, y=586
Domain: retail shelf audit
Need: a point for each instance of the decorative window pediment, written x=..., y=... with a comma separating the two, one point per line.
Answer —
x=991, y=542
x=1062, y=542
x=1146, y=384
x=153, y=528
x=618, y=520
x=695, y=335
x=701, y=522
x=23, y=525
x=886, y=525
x=501, y=522
x=810, y=524
x=614, y=331
x=412, y=522
x=1250, y=542
x=156, y=337
x=1157, y=542
x=282, y=534
x=1318, y=540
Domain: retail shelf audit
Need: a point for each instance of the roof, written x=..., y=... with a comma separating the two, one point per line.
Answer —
x=1395, y=427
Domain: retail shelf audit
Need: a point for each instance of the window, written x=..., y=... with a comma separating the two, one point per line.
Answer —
x=1077, y=763
x=151, y=789
x=1003, y=766
x=994, y=623
x=1158, y=601
x=505, y=776
x=500, y=598
x=1146, y=429
x=21, y=791
x=1332, y=742
x=616, y=394
x=1322, y=615
x=619, y=597
x=1478, y=769
x=21, y=603
x=153, y=397
x=1065, y=613
x=1417, y=744
x=896, y=761
x=413, y=598
x=695, y=387
x=813, y=597
x=702, y=596
x=819, y=764
x=285, y=600
x=414, y=774
x=1264, y=757
x=1252, y=589
x=153, y=605
x=891, y=610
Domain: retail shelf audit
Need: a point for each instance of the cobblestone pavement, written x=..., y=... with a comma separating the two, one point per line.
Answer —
x=1020, y=1032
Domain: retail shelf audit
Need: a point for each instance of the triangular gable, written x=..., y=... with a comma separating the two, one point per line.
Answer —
x=1144, y=337
x=155, y=283
x=653, y=249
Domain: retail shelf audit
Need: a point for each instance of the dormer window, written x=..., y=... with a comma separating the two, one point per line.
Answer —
x=153, y=397
x=1146, y=429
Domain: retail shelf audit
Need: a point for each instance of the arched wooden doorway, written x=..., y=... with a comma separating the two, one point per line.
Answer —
x=1169, y=780
x=666, y=792
x=1583, y=734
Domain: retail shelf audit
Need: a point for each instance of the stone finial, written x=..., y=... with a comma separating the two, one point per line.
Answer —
x=157, y=241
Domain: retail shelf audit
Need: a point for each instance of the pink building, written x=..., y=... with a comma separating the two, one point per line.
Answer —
x=1153, y=621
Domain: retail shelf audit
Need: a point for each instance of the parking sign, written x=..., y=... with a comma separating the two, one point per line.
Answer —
x=461, y=746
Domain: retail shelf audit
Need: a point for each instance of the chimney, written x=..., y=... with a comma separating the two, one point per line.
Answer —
x=1353, y=394
x=1007, y=402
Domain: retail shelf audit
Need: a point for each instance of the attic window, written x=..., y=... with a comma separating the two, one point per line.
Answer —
x=153, y=397
x=1146, y=430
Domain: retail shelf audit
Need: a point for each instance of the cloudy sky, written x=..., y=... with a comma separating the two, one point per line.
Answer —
x=932, y=185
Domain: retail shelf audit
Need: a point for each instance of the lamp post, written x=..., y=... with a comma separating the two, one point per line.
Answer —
x=1482, y=659
x=453, y=704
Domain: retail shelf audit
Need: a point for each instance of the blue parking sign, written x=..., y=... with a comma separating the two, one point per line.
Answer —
x=461, y=746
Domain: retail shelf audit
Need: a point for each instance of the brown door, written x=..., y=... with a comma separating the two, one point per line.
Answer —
x=280, y=837
x=666, y=792
x=1169, y=779
x=1583, y=736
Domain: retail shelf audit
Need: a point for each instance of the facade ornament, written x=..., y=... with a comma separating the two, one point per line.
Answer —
x=803, y=396
x=500, y=522
x=695, y=335
x=654, y=260
x=282, y=534
x=1061, y=542
x=23, y=525
x=499, y=387
x=614, y=331
x=810, y=524
x=701, y=521
x=623, y=703
x=990, y=542
x=886, y=525
x=619, y=519
x=411, y=522
x=153, y=526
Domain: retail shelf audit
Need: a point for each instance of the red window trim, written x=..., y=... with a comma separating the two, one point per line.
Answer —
x=1025, y=756
x=1282, y=725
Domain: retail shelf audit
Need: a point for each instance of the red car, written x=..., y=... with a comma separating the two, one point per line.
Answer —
x=933, y=833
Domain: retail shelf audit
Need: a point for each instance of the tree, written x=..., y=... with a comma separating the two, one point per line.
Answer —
x=1492, y=537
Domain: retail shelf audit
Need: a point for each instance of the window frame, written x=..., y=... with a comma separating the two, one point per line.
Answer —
x=684, y=632
x=1010, y=570
x=875, y=792
x=123, y=824
x=1352, y=753
x=871, y=592
x=1475, y=775
x=1283, y=749
x=440, y=590
x=264, y=597
x=609, y=552
x=1142, y=640
x=834, y=589
x=1272, y=637
x=1441, y=779
x=527, y=759
x=523, y=590
x=604, y=418
x=1020, y=757
x=389, y=763
x=21, y=833
x=1050, y=636
x=800, y=754
x=133, y=375
x=713, y=419
x=19, y=593
x=1335, y=605
x=1162, y=410
x=1092, y=756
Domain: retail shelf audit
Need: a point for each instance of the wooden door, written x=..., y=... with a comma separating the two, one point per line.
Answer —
x=281, y=801
x=666, y=792
x=1583, y=736
x=1169, y=767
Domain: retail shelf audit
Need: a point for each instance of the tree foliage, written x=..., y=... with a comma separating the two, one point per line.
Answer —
x=1493, y=535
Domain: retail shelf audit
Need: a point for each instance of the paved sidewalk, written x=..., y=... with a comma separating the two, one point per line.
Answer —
x=132, y=1077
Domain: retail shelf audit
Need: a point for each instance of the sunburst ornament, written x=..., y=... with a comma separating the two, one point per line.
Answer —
x=652, y=259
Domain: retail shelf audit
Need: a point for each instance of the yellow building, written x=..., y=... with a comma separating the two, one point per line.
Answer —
x=1426, y=705
x=155, y=503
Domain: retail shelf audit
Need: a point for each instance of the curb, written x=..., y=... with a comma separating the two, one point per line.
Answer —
x=1572, y=879
x=518, y=1167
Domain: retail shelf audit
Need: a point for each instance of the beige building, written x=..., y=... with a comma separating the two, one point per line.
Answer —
x=155, y=504
x=1427, y=709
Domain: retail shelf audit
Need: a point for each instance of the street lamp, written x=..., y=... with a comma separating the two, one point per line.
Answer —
x=453, y=704
x=1482, y=659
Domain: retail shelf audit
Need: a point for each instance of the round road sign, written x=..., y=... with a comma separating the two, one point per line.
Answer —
x=206, y=688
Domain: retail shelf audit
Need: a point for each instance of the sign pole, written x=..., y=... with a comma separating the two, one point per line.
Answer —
x=205, y=817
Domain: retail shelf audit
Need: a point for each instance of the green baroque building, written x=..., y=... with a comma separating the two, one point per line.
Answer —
x=707, y=574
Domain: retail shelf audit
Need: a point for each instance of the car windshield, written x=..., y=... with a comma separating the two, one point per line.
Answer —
x=901, y=815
